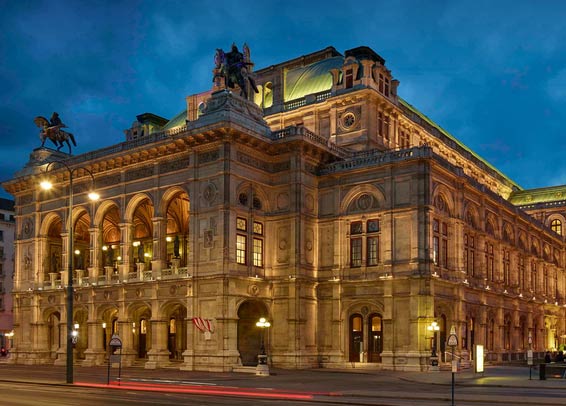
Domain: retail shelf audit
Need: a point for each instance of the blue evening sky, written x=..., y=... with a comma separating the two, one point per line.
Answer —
x=492, y=73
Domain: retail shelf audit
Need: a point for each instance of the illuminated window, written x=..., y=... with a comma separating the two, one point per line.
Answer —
x=241, y=249
x=172, y=325
x=258, y=252
x=143, y=326
x=556, y=226
x=257, y=249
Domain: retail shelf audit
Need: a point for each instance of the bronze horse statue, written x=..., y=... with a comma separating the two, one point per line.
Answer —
x=233, y=67
x=52, y=130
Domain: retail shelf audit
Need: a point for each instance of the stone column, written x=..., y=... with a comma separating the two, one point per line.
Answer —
x=129, y=353
x=126, y=247
x=94, y=252
x=94, y=354
x=158, y=354
x=159, y=260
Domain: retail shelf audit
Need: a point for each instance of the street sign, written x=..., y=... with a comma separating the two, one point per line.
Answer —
x=452, y=338
x=115, y=341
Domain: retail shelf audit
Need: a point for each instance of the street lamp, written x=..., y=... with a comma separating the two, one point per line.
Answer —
x=262, y=368
x=46, y=185
x=263, y=324
x=433, y=328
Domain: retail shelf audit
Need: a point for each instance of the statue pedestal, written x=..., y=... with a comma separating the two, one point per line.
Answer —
x=53, y=279
x=108, y=270
x=175, y=263
x=80, y=274
x=140, y=268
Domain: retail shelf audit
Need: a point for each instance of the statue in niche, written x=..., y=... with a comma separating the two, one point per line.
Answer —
x=233, y=66
x=109, y=260
x=140, y=253
x=52, y=130
x=176, y=247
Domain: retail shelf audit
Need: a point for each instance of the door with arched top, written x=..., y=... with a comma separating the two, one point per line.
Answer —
x=375, y=338
x=356, y=337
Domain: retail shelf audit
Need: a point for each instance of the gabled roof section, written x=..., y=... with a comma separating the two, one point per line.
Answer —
x=423, y=120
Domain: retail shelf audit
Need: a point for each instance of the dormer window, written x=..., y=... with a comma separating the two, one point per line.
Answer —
x=384, y=85
x=349, y=78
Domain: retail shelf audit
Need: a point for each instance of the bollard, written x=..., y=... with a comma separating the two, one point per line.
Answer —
x=542, y=372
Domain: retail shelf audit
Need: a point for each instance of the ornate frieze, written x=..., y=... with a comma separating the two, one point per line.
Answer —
x=139, y=173
x=175, y=165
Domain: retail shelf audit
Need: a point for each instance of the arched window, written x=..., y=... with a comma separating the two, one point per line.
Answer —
x=556, y=226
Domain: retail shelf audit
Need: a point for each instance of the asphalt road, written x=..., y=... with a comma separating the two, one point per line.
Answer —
x=43, y=385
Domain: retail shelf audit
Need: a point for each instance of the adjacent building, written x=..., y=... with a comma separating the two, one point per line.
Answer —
x=7, y=234
x=325, y=203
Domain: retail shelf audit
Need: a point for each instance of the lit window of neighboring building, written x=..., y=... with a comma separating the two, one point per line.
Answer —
x=556, y=226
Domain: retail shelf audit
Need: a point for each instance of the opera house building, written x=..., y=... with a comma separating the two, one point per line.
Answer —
x=362, y=231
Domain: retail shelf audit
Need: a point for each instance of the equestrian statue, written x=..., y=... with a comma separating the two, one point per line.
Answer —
x=233, y=67
x=52, y=129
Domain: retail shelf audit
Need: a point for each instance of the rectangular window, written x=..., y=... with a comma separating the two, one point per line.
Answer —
x=373, y=251
x=241, y=249
x=356, y=252
x=258, y=252
x=349, y=78
x=1, y=235
x=380, y=83
x=533, y=276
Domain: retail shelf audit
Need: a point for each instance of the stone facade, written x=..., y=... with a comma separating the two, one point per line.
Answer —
x=327, y=204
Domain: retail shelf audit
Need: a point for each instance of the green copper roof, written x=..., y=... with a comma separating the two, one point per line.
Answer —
x=178, y=120
x=540, y=195
x=458, y=142
x=311, y=79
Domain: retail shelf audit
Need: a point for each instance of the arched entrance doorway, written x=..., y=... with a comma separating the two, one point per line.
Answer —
x=375, y=338
x=249, y=335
